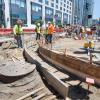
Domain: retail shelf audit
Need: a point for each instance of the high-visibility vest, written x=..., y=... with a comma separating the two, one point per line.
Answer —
x=18, y=30
x=50, y=29
x=46, y=31
x=38, y=29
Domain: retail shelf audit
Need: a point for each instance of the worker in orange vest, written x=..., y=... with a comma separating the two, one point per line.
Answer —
x=50, y=32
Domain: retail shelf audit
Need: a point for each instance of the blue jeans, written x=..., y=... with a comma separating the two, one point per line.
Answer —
x=19, y=39
x=49, y=38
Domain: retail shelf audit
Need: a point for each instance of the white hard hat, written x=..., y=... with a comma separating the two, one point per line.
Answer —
x=38, y=24
x=19, y=21
x=49, y=22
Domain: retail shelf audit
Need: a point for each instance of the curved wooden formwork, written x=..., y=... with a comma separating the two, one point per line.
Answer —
x=73, y=65
x=53, y=80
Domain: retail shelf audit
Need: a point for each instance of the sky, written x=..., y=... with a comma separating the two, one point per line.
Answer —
x=96, y=13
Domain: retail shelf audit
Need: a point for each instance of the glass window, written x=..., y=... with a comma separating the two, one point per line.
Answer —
x=22, y=4
x=65, y=16
x=59, y=14
x=52, y=4
x=49, y=11
x=60, y=8
x=57, y=1
x=64, y=9
x=41, y=1
x=18, y=11
x=65, y=1
x=0, y=1
x=36, y=7
x=36, y=12
x=2, y=21
x=58, y=17
x=56, y=6
x=64, y=5
x=13, y=1
x=46, y=2
x=18, y=2
x=67, y=6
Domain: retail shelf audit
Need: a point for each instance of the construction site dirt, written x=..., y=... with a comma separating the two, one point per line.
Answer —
x=75, y=48
x=18, y=77
x=12, y=58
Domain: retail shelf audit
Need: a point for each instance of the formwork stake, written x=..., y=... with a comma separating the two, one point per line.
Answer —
x=89, y=82
x=91, y=58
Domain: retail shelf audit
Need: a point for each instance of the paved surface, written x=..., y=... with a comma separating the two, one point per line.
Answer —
x=75, y=48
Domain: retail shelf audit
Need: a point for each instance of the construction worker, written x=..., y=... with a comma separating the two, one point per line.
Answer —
x=38, y=31
x=18, y=33
x=50, y=32
x=46, y=34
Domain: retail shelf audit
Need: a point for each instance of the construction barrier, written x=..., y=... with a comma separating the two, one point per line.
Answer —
x=7, y=31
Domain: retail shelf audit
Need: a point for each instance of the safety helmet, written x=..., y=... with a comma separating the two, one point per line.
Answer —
x=19, y=21
x=38, y=24
x=49, y=22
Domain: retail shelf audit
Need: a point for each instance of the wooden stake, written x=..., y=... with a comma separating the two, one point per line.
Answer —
x=90, y=58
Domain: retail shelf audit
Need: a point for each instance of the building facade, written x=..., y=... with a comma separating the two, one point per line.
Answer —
x=2, y=20
x=83, y=12
x=78, y=11
x=58, y=11
x=88, y=12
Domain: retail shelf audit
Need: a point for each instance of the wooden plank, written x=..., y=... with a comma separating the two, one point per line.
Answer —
x=13, y=59
x=27, y=95
x=73, y=65
x=56, y=83
x=39, y=97
x=16, y=58
x=51, y=98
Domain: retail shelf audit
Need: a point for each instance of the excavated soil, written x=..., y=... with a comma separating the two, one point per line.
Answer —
x=30, y=82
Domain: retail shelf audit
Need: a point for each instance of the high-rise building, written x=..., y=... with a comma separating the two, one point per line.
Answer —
x=88, y=12
x=78, y=11
x=83, y=12
x=58, y=11
x=2, y=20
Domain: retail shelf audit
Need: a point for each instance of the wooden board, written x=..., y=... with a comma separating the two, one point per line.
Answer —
x=75, y=66
x=54, y=81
